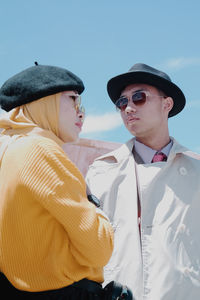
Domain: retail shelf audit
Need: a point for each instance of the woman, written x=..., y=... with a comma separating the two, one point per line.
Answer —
x=53, y=241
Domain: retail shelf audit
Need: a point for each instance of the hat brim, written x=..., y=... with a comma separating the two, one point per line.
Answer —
x=117, y=84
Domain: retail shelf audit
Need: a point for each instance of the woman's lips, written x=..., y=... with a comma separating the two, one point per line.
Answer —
x=79, y=125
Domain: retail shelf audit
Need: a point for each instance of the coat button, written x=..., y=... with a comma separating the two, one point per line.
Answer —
x=182, y=228
x=183, y=171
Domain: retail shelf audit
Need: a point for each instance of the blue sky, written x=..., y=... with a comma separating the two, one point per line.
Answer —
x=100, y=39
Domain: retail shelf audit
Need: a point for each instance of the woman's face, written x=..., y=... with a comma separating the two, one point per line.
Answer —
x=70, y=117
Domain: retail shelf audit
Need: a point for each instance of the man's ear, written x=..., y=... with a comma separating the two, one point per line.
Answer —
x=168, y=103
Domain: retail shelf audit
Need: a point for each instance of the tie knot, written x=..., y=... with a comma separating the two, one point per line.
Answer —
x=159, y=156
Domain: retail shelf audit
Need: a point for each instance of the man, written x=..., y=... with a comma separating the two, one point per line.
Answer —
x=150, y=189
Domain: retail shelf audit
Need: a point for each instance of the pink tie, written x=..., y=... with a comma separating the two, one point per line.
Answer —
x=159, y=156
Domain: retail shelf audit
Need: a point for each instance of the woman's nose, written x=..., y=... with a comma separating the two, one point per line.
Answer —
x=81, y=115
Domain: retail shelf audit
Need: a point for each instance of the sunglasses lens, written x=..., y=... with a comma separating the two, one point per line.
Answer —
x=82, y=109
x=121, y=103
x=78, y=107
x=78, y=101
x=139, y=98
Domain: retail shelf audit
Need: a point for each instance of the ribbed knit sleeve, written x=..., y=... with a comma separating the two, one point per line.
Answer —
x=60, y=188
x=57, y=224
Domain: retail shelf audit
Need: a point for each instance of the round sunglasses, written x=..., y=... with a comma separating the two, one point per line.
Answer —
x=77, y=102
x=138, y=98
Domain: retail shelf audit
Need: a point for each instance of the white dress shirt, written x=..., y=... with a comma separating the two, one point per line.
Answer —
x=147, y=154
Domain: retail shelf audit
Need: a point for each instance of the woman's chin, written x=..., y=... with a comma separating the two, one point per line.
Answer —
x=72, y=139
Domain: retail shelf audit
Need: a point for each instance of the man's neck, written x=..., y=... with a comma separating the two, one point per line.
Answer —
x=155, y=142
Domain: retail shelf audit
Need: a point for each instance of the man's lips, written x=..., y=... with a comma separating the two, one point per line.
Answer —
x=131, y=119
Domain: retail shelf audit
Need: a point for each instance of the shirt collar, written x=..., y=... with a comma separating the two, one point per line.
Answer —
x=146, y=153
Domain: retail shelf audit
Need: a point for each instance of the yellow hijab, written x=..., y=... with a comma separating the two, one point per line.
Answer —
x=38, y=117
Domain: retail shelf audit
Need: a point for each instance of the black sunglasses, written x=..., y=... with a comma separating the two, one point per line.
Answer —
x=138, y=98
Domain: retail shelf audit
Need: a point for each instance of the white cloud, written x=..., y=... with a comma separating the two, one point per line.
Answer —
x=181, y=62
x=98, y=123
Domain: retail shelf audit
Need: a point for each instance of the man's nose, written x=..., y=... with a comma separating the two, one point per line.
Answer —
x=131, y=107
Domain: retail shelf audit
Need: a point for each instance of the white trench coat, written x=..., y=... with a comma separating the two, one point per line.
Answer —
x=163, y=262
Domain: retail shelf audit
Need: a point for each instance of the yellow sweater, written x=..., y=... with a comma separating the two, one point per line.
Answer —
x=50, y=234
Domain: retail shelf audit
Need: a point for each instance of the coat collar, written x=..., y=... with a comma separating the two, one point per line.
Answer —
x=120, y=153
x=125, y=151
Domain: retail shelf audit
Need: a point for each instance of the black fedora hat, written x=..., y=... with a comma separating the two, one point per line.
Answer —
x=142, y=73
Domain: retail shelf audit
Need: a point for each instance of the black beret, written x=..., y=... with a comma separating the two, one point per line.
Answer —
x=37, y=82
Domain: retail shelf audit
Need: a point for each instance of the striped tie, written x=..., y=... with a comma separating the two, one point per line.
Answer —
x=159, y=156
